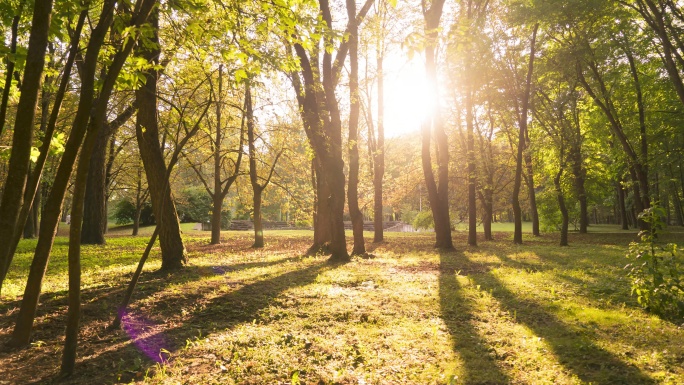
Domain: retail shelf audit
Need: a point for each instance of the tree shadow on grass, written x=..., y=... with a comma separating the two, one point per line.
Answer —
x=573, y=347
x=214, y=316
x=100, y=302
x=601, y=279
x=480, y=366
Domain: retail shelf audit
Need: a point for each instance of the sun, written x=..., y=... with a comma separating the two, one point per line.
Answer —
x=407, y=100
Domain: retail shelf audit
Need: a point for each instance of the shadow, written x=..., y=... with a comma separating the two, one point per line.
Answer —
x=481, y=366
x=217, y=314
x=604, y=276
x=99, y=303
x=573, y=346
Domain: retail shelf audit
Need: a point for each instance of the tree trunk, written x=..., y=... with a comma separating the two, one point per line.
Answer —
x=562, y=207
x=522, y=123
x=22, y=331
x=258, y=226
x=379, y=157
x=322, y=213
x=94, y=215
x=138, y=203
x=29, y=224
x=22, y=138
x=354, y=110
x=257, y=189
x=33, y=189
x=472, y=173
x=677, y=203
x=622, y=207
x=9, y=67
x=217, y=197
x=147, y=132
x=438, y=192
x=487, y=199
x=534, y=213
x=74, y=254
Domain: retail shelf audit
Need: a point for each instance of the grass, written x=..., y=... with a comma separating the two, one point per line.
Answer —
x=493, y=314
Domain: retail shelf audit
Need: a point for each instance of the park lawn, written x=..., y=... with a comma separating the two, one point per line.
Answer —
x=493, y=314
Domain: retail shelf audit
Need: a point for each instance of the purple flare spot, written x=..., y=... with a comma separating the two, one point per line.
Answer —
x=141, y=331
x=220, y=269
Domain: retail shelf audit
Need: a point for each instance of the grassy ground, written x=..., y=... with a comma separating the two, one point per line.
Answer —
x=493, y=314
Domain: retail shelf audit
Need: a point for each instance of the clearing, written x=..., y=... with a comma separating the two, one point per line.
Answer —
x=493, y=314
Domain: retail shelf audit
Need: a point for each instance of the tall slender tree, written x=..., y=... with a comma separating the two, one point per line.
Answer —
x=523, y=110
x=22, y=138
x=433, y=129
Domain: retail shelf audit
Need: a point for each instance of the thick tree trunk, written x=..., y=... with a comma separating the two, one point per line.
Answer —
x=336, y=181
x=354, y=111
x=94, y=214
x=322, y=213
x=147, y=132
x=99, y=180
x=22, y=137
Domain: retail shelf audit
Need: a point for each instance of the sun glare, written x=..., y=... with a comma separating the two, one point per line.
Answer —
x=407, y=100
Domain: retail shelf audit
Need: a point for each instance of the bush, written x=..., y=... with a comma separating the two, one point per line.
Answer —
x=124, y=213
x=195, y=205
x=656, y=272
x=424, y=220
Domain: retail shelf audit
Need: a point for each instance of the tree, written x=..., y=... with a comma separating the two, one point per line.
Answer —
x=433, y=128
x=226, y=167
x=22, y=331
x=354, y=110
x=22, y=138
x=523, y=109
x=322, y=123
x=257, y=188
x=147, y=132
x=95, y=206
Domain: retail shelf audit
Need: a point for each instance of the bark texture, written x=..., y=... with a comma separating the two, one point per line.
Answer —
x=174, y=255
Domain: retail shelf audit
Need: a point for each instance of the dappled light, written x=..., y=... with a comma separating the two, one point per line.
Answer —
x=359, y=192
x=486, y=315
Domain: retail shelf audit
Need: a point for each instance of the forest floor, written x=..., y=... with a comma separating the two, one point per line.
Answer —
x=492, y=314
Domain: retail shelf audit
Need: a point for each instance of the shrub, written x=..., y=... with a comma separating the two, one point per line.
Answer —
x=656, y=272
x=124, y=213
x=424, y=220
x=194, y=205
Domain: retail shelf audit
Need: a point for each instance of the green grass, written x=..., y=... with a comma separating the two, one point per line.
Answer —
x=493, y=314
